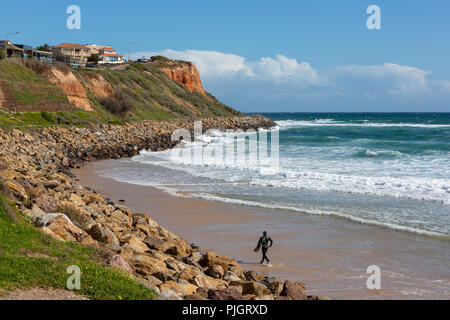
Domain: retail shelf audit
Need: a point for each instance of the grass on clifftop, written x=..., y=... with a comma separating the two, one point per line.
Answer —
x=28, y=88
x=30, y=259
x=156, y=97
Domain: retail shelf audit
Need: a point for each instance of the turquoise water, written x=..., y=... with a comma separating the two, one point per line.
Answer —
x=390, y=170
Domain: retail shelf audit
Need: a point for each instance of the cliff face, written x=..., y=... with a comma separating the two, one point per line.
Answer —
x=97, y=85
x=184, y=73
x=53, y=87
x=23, y=89
x=162, y=89
x=75, y=91
x=76, y=85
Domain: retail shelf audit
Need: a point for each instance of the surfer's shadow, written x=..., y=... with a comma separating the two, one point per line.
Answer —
x=253, y=264
x=248, y=263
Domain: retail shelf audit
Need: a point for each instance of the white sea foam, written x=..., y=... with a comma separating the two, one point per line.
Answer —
x=418, y=188
x=287, y=124
x=350, y=217
x=336, y=175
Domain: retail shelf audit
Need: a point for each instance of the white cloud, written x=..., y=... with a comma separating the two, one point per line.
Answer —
x=441, y=85
x=391, y=78
x=214, y=64
x=210, y=63
x=283, y=68
x=283, y=83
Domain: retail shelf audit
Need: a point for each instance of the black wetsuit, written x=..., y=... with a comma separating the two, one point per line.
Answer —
x=264, y=244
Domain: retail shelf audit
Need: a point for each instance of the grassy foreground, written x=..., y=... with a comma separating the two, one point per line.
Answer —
x=30, y=259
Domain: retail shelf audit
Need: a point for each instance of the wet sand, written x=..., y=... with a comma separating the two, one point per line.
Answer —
x=329, y=254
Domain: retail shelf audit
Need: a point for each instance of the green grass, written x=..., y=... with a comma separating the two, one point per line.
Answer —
x=30, y=89
x=11, y=71
x=43, y=119
x=157, y=97
x=19, y=241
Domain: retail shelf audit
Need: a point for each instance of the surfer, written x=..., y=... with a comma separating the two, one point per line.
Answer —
x=264, y=244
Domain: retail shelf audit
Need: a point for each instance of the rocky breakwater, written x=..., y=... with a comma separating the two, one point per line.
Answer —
x=35, y=173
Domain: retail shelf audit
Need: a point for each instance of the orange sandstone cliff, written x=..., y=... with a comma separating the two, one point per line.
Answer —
x=68, y=82
x=76, y=87
x=182, y=72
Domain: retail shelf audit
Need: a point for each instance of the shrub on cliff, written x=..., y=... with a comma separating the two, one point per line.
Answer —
x=47, y=116
x=159, y=58
x=119, y=103
x=41, y=67
x=95, y=58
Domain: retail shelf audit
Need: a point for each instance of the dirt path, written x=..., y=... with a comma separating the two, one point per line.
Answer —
x=42, y=294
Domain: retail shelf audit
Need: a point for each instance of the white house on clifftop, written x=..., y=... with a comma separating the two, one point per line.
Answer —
x=78, y=55
x=109, y=55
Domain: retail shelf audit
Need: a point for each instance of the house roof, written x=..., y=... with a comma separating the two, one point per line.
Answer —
x=7, y=44
x=70, y=45
x=108, y=48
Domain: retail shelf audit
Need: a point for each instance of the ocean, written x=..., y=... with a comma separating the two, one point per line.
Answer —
x=386, y=169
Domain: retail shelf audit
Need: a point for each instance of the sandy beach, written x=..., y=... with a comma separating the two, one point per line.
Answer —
x=329, y=254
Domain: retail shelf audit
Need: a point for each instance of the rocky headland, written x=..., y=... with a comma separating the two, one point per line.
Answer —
x=35, y=173
x=183, y=72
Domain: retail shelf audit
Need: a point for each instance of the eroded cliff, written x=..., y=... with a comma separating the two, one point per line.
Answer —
x=182, y=72
x=157, y=90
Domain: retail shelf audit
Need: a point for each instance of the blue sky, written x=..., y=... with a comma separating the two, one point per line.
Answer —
x=271, y=55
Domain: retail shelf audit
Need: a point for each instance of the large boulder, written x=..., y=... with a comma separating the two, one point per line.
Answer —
x=156, y=243
x=80, y=216
x=195, y=256
x=230, y=276
x=116, y=261
x=17, y=190
x=276, y=287
x=253, y=276
x=203, y=281
x=43, y=220
x=46, y=203
x=93, y=198
x=226, y=294
x=147, y=266
x=60, y=225
x=77, y=200
x=137, y=244
x=295, y=291
x=176, y=265
x=255, y=288
x=215, y=272
x=170, y=285
x=103, y=234
x=150, y=285
x=188, y=288
x=186, y=274
x=196, y=296
x=169, y=294
x=36, y=212
x=179, y=249
x=98, y=232
x=228, y=264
